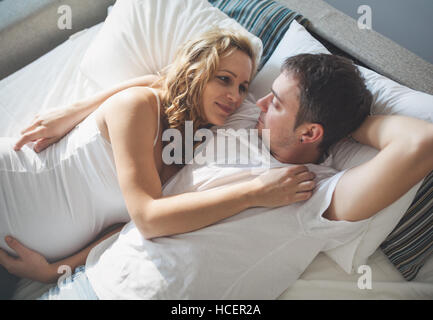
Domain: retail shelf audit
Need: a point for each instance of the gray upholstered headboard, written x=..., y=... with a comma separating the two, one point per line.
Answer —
x=28, y=29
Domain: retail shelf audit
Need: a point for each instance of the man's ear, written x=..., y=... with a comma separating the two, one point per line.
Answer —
x=312, y=132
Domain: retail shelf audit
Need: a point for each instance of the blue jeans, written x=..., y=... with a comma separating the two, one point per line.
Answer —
x=75, y=287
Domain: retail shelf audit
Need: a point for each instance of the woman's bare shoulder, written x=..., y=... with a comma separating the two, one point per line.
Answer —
x=133, y=106
x=134, y=100
x=139, y=95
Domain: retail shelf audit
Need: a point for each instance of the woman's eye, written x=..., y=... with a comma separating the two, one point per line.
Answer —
x=224, y=79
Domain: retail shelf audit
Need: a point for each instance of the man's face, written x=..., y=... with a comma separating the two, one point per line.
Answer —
x=279, y=110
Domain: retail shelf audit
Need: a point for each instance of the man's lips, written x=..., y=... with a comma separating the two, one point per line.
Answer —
x=227, y=109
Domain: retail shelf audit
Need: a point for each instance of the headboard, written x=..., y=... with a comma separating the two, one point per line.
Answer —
x=29, y=30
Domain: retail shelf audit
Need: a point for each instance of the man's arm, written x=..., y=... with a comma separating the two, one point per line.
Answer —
x=80, y=257
x=32, y=265
x=405, y=157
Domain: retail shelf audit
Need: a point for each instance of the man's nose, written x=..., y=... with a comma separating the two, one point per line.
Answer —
x=263, y=103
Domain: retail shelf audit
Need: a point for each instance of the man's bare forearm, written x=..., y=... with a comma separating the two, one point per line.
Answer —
x=380, y=131
x=405, y=157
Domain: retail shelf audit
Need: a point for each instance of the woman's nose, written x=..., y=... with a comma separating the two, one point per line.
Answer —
x=234, y=96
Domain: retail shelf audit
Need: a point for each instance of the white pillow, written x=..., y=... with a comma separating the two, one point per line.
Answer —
x=389, y=98
x=141, y=37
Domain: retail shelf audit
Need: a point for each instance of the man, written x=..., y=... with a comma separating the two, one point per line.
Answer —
x=316, y=101
x=312, y=113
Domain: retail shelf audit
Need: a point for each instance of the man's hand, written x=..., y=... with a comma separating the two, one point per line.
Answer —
x=29, y=264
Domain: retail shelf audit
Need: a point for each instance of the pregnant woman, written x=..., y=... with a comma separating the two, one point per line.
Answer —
x=110, y=168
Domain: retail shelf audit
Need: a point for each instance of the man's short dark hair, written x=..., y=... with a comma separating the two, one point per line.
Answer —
x=332, y=93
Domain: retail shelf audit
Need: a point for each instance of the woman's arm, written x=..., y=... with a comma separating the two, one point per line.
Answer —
x=87, y=106
x=51, y=126
x=131, y=119
x=195, y=210
x=405, y=157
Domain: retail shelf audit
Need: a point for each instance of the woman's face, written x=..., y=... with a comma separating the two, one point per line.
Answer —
x=224, y=93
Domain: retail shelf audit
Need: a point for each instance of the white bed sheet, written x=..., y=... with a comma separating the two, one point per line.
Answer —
x=54, y=80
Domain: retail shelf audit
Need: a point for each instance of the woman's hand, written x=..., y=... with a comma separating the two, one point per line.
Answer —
x=29, y=264
x=49, y=127
x=283, y=186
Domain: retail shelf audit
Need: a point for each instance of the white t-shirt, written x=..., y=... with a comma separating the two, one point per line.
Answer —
x=256, y=254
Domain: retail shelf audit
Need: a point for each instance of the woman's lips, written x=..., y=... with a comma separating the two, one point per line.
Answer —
x=224, y=108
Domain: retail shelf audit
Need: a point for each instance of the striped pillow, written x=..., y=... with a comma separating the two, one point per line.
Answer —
x=410, y=244
x=266, y=19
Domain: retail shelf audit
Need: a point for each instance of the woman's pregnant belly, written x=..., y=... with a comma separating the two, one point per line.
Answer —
x=59, y=200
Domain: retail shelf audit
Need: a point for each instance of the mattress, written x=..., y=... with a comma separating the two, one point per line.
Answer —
x=54, y=80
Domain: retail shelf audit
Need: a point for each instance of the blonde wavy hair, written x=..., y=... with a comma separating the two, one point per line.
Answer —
x=195, y=63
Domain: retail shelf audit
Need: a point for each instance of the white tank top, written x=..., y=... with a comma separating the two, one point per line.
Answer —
x=59, y=200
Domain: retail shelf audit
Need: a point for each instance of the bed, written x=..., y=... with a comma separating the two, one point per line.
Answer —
x=55, y=79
